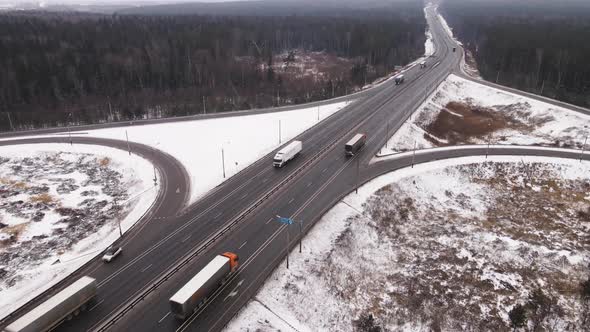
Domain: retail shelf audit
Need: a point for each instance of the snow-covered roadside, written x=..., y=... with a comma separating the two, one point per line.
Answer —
x=351, y=266
x=71, y=190
x=465, y=112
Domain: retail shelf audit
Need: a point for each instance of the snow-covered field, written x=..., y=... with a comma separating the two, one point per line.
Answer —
x=465, y=112
x=449, y=245
x=61, y=204
x=198, y=144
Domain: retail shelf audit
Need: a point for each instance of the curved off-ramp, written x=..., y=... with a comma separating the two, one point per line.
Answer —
x=172, y=197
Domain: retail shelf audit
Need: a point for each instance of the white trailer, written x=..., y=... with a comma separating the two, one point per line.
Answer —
x=194, y=294
x=65, y=304
x=287, y=153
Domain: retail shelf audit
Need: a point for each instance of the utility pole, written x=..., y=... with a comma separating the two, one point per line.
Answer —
x=128, y=146
x=300, y=234
x=318, y=113
x=10, y=121
x=118, y=219
x=498, y=77
x=204, y=107
x=154, y=158
x=387, y=136
x=358, y=173
x=542, y=87
x=583, y=147
x=223, y=161
x=287, y=246
x=111, y=109
x=69, y=130
x=414, y=155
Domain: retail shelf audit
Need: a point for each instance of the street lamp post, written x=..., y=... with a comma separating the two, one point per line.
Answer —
x=414, y=155
x=583, y=147
x=118, y=219
x=358, y=173
x=223, y=161
x=128, y=146
x=300, y=234
x=153, y=164
x=279, y=131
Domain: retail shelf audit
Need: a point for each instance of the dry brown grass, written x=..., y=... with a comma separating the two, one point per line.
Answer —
x=43, y=198
x=459, y=123
x=16, y=230
x=13, y=183
x=104, y=161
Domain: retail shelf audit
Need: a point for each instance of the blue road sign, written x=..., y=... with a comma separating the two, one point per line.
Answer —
x=284, y=220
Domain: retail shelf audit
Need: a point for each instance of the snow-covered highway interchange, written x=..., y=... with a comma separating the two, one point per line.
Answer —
x=178, y=236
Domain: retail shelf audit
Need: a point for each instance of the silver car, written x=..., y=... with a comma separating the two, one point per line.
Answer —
x=111, y=253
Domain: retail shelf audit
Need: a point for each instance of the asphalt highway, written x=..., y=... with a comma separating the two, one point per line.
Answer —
x=173, y=242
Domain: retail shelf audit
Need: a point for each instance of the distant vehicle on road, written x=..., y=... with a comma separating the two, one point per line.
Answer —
x=399, y=79
x=355, y=144
x=63, y=305
x=194, y=294
x=111, y=253
x=423, y=64
x=287, y=153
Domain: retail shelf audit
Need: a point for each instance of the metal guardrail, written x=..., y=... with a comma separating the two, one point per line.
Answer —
x=212, y=240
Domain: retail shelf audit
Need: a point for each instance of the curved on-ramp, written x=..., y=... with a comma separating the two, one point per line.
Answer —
x=173, y=194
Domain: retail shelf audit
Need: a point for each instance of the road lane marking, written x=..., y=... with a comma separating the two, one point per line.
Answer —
x=309, y=184
x=234, y=291
x=217, y=215
x=161, y=319
x=96, y=305
x=265, y=179
x=244, y=196
x=243, y=244
x=146, y=268
x=269, y=220
x=324, y=170
x=291, y=200
x=186, y=238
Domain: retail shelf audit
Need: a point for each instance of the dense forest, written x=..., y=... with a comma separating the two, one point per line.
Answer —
x=538, y=46
x=60, y=69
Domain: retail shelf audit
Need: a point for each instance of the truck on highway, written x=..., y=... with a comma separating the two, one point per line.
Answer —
x=64, y=305
x=355, y=144
x=194, y=294
x=287, y=153
x=399, y=79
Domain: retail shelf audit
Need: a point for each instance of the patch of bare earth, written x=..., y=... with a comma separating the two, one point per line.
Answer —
x=463, y=257
x=462, y=123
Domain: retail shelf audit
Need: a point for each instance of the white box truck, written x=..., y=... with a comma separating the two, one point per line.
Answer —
x=195, y=292
x=287, y=153
x=355, y=144
x=65, y=304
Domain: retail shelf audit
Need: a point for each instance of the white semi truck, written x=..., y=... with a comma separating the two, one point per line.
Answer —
x=287, y=153
x=195, y=292
x=63, y=305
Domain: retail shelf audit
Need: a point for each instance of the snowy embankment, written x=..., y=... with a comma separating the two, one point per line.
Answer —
x=61, y=205
x=446, y=245
x=464, y=112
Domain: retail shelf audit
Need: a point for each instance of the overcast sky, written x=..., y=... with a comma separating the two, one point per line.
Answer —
x=105, y=1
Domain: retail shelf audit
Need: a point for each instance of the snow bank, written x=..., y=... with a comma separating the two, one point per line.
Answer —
x=36, y=275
